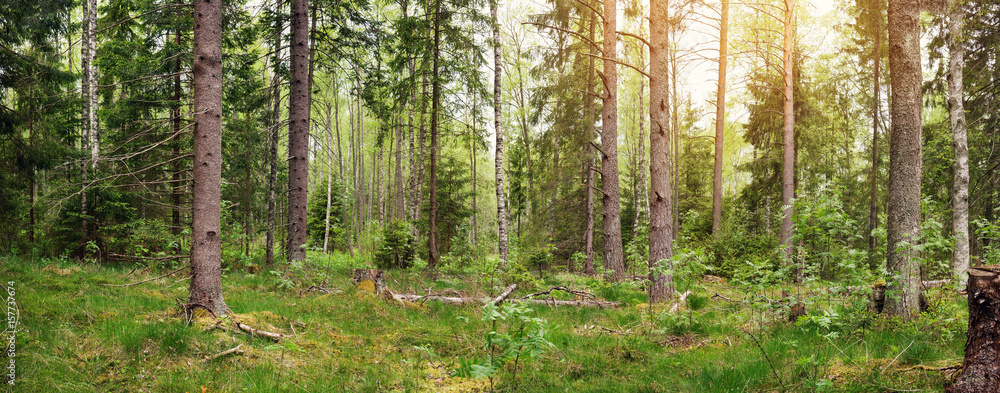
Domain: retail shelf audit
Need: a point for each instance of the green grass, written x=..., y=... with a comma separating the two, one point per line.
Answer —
x=77, y=336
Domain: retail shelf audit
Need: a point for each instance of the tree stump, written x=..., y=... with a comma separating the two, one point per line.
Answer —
x=371, y=280
x=981, y=367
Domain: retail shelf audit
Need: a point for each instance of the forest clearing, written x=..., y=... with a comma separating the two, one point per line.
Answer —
x=500, y=195
x=83, y=336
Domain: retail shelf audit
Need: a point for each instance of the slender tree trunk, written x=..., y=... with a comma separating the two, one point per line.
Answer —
x=175, y=119
x=676, y=136
x=340, y=162
x=588, y=264
x=399, y=192
x=660, y=209
x=329, y=177
x=85, y=119
x=95, y=133
x=272, y=178
x=497, y=127
x=614, y=262
x=525, y=136
x=298, y=132
x=432, y=257
x=876, y=112
x=956, y=108
x=720, y=120
x=904, y=158
x=206, y=245
x=788, y=132
x=475, y=192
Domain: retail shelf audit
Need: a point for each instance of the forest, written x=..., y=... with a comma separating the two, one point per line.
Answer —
x=500, y=195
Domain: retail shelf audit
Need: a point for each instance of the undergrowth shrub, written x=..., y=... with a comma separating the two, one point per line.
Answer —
x=396, y=251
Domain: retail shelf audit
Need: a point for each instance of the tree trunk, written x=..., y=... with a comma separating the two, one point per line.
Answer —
x=95, y=133
x=660, y=209
x=788, y=161
x=272, y=178
x=298, y=132
x=720, y=120
x=614, y=262
x=175, y=119
x=981, y=368
x=206, y=245
x=475, y=191
x=956, y=108
x=329, y=178
x=85, y=120
x=588, y=264
x=876, y=112
x=904, y=158
x=432, y=257
x=399, y=192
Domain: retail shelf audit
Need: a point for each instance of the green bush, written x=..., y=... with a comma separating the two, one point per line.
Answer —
x=396, y=249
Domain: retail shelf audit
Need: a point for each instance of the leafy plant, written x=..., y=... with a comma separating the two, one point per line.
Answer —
x=514, y=334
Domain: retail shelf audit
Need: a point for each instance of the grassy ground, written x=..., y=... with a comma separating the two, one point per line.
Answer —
x=77, y=336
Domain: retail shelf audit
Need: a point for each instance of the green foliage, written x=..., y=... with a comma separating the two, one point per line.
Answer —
x=340, y=203
x=829, y=237
x=744, y=254
x=989, y=234
x=513, y=334
x=396, y=251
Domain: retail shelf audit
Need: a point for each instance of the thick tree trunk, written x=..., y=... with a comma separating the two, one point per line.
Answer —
x=788, y=132
x=614, y=262
x=298, y=132
x=588, y=264
x=206, y=245
x=720, y=120
x=981, y=368
x=904, y=158
x=956, y=108
x=432, y=257
x=660, y=209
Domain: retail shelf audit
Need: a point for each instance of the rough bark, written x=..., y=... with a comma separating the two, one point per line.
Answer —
x=298, y=132
x=432, y=254
x=904, y=158
x=614, y=262
x=788, y=132
x=980, y=371
x=399, y=193
x=588, y=264
x=660, y=209
x=720, y=120
x=956, y=109
x=206, y=246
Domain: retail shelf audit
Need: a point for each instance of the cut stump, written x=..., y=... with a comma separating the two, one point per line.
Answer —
x=371, y=280
x=981, y=367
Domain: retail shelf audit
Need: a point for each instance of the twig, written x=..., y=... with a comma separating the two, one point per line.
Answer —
x=224, y=353
x=717, y=295
x=257, y=332
x=144, y=281
x=897, y=357
x=773, y=370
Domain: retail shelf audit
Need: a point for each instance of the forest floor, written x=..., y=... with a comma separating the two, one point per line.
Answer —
x=75, y=335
